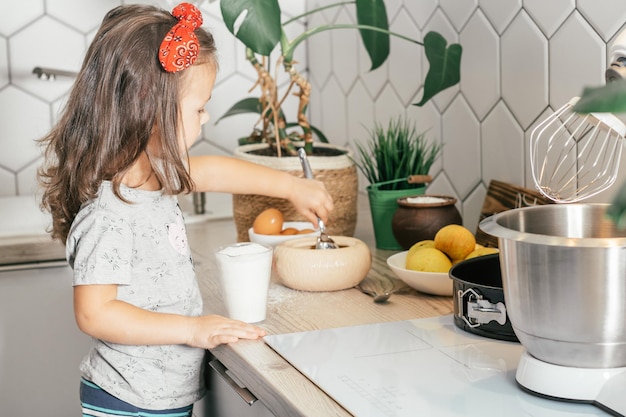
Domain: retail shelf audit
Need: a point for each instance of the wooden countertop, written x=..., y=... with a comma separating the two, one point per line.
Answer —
x=281, y=388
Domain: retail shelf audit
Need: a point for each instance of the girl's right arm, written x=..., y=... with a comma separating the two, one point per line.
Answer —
x=99, y=314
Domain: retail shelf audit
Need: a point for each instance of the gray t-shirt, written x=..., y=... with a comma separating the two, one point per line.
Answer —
x=141, y=247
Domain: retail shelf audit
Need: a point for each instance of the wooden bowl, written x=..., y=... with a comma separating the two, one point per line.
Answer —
x=300, y=266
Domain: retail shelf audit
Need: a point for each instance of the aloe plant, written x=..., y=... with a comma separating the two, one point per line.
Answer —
x=257, y=24
x=395, y=152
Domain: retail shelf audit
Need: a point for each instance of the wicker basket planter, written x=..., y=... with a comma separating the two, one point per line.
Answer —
x=337, y=172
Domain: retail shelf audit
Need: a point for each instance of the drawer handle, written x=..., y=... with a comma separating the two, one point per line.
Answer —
x=243, y=392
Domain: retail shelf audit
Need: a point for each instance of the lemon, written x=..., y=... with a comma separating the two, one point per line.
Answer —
x=420, y=244
x=428, y=260
x=481, y=252
x=455, y=241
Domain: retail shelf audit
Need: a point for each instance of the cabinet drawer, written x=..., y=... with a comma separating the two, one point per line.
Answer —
x=227, y=397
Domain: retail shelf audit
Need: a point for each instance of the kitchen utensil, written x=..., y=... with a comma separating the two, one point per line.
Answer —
x=563, y=279
x=479, y=306
x=323, y=241
x=381, y=286
x=378, y=298
x=565, y=293
x=575, y=156
x=411, y=179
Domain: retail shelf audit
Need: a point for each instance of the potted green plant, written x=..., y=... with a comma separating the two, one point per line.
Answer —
x=259, y=26
x=395, y=160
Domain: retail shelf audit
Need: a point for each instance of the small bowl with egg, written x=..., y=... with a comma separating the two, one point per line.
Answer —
x=289, y=231
x=270, y=228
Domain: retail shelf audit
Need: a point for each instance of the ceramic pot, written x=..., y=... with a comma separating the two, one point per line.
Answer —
x=298, y=265
x=416, y=220
x=383, y=205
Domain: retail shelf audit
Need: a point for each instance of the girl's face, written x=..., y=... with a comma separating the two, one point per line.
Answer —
x=195, y=94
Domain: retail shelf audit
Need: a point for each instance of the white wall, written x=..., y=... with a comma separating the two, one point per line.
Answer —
x=521, y=60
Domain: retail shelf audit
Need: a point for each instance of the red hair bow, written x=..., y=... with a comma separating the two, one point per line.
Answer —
x=180, y=46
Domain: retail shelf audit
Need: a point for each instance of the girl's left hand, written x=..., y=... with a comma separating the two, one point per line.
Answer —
x=212, y=330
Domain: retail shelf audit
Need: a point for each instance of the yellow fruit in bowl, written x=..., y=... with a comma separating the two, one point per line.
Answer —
x=428, y=260
x=481, y=251
x=455, y=241
x=421, y=244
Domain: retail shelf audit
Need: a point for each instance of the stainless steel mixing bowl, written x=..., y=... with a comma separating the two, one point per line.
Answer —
x=564, y=281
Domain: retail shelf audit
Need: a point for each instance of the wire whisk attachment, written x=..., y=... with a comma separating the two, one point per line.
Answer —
x=575, y=156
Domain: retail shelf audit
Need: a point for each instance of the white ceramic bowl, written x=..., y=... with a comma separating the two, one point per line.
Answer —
x=273, y=240
x=436, y=283
x=300, y=266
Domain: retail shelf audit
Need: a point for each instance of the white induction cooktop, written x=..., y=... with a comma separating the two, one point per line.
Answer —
x=422, y=367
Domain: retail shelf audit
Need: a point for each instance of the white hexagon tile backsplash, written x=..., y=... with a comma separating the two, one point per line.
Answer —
x=521, y=59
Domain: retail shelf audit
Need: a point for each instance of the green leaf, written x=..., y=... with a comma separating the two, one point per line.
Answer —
x=617, y=210
x=260, y=29
x=445, y=65
x=373, y=13
x=320, y=135
x=395, y=152
x=610, y=98
x=247, y=105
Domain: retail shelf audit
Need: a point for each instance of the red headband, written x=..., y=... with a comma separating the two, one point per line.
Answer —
x=180, y=46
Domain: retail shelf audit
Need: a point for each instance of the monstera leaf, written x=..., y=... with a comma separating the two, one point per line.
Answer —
x=376, y=43
x=260, y=26
x=257, y=24
x=445, y=65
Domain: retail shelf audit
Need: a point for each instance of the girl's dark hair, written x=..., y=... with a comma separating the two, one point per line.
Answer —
x=121, y=98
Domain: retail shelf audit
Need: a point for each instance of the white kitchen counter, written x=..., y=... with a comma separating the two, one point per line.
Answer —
x=25, y=242
x=277, y=384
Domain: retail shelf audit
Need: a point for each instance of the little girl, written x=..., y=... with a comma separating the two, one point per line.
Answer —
x=115, y=162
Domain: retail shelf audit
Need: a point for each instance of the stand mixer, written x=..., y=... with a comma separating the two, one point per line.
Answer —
x=600, y=386
x=564, y=275
x=576, y=156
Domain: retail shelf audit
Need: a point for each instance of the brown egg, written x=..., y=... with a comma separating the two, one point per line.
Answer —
x=268, y=222
x=289, y=231
x=305, y=231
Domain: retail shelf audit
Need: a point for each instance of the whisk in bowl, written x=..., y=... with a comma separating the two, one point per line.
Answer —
x=575, y=156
